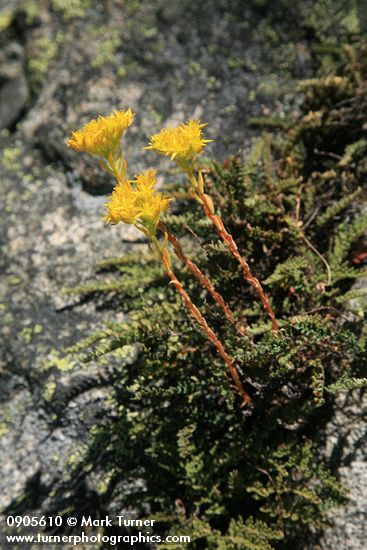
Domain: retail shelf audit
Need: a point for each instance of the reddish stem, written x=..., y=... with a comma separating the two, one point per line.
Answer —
x=229, y=241
x=201, y=277
x=164, y=256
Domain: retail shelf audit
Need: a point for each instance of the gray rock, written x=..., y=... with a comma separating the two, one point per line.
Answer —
x=14, y=90
x=346, y=450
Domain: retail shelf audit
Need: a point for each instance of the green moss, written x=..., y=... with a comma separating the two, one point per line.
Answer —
x=10, y=158
x=26, y=196
x=31, y=9
x=194, y=68
x=49, y=390
x=27, y=333
x=103, y=484
x=6, y=18
x=105, y=47
x=4, y=429
x=76, y=457
x=71, y=9
x=13, y=280
x=121, y=72
x=42, y=52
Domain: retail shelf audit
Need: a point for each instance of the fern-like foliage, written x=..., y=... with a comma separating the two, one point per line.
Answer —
x=233, y=478
x=345, y=383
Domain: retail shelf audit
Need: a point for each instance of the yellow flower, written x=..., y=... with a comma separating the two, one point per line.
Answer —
x=151, y=207
x=182, y=143
x=121, y=205
x=146, y=179
x=101, y=137
x=136, y=202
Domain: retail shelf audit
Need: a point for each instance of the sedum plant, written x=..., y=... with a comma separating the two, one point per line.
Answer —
x=136, y=202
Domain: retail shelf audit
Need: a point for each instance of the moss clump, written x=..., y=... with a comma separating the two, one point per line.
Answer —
x=49, y=390
x=11, y=159
x=105, y=47
x=71, y=9
x=3, y=429
x=6, y=19
x=42, y=51
x=28, y=333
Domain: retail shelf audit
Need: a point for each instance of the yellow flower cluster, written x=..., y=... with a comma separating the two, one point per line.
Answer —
x=136, y=202
x=182, y=143
x=101, y=137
